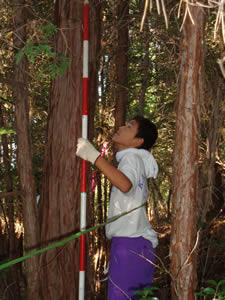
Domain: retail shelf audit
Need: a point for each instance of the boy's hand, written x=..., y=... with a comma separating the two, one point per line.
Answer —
x=86, y=150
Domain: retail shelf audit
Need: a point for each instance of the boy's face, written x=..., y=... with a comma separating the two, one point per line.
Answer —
x=126, y=138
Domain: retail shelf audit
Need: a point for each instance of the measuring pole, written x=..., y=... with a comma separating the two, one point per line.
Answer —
x=84, y=162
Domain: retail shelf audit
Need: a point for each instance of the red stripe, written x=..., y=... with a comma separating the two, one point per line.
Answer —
x=86, y=22
x=82, y=252
x=85, y=97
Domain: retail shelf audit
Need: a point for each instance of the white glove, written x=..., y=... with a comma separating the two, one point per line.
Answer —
x=86, y=150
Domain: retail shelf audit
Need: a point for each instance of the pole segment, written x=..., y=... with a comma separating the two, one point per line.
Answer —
x=83, y=162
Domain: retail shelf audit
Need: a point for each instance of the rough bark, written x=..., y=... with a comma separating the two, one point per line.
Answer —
x=24, y=156
x=122, y=63
x=60, y=199
x=185, y=165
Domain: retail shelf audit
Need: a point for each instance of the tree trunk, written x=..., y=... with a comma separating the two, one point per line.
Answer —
x=14, y=252
x=24, y=157
x=185, y=165
x=122, y=63
x=60, y=199
x=213, y=199
x=145, y=70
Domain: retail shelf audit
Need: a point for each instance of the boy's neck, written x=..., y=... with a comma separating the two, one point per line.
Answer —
x=119, y=148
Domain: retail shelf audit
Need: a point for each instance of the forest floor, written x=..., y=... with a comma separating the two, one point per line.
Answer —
x=210, y=259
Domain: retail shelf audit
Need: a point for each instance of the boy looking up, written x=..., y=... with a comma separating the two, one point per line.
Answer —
x=133, y=239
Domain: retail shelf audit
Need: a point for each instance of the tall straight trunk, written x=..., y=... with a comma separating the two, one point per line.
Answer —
x=145, y=70
x=122, y=63
x=15, y=271
x=212, y=197
x=24, y=157
x=185, y=165
x=95, y=16
x=60, y=198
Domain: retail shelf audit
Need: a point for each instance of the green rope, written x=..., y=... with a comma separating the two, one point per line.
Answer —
x=63, y=242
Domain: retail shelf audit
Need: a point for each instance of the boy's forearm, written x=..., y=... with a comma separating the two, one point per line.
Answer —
x=115, y=176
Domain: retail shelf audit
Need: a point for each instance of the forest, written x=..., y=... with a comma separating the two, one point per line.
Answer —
x=160, y=59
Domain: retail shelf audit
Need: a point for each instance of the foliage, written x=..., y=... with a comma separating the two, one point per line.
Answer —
x=217, y=291
x=147, y=293
x=6, y=131
x=52, y=64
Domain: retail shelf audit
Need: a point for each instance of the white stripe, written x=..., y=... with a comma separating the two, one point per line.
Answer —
x=85, y=59
x=84, y=126
x=83, y=204
x=81, y=285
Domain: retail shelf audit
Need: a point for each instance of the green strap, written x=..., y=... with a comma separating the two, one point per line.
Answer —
x=63, y=242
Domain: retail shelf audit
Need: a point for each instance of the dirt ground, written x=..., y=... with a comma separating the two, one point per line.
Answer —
x=210, y=261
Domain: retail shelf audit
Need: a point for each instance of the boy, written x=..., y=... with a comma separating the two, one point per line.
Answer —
x=133, y=240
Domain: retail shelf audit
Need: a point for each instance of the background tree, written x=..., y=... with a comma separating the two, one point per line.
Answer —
x=121, y=62
x=24, y=155
x=13, y=249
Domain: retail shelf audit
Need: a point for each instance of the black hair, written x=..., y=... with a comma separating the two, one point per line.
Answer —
x=147, y=131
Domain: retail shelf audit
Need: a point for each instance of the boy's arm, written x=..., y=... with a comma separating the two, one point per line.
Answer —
x=115, y=176
x=86, y=151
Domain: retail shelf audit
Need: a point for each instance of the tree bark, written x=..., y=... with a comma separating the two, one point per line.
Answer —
x=60, y=198
x=24, y=156
x=122, y=63
x=185, y=165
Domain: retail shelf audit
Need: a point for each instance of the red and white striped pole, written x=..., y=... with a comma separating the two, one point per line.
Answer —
x=84, y=162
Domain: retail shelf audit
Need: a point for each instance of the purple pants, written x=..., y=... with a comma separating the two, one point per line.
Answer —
x=129, y=271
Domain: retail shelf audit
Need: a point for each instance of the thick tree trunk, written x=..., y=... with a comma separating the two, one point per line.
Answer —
x=24, y=157
x=185, y=185
x=122, y=63
x=60, y=199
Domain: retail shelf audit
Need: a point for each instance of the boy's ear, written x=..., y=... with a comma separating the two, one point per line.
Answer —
x=139, y=142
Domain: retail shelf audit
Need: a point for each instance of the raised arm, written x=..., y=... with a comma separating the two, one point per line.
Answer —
x=115, y=176
x=86, y=151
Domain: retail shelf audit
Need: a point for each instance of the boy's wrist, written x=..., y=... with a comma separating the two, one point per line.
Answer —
x=99, y=155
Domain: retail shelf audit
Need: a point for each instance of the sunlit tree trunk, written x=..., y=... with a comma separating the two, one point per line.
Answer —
x=121, y=96
x=60, y=203
x=24, y=156
x=185, y=165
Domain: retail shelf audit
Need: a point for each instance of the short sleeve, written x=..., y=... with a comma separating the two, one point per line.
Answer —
x=130, y=166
